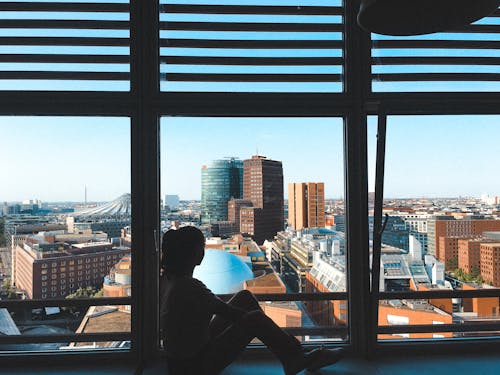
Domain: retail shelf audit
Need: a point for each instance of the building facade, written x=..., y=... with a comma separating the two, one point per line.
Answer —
x=220, y=182
x=263, y=186
x=55, y=270
x=306, y=205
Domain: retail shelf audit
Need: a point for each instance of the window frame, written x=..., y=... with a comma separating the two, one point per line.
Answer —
x=144, y=104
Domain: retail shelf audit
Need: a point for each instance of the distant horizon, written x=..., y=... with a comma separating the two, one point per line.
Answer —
x=285, y=198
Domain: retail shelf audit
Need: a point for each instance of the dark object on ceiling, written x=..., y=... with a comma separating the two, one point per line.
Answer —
x=416, y=17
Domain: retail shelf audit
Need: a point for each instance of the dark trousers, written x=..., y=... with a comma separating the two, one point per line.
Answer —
x=229, y=339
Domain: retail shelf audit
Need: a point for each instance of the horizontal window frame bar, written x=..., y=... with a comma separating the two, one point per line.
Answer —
x=249, y=44
x=417, y=60
x=53, y=58
x=64, y=75
x=63, y=24
x=432, y=328
x=435, y=44
x=63, y=302
x=253, y=61
x=294, y=296
x=65, y=41
x=422, y=77
x=64, y=103
x=428, y=294
x=75, y=337
x=63, y=7
x=433, y=103
x=320, y=331
x=236, y=104
x=270, y=77
x=252, y=9
x=251, y=26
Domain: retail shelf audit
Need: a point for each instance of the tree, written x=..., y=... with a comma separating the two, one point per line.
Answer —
x=87, y=292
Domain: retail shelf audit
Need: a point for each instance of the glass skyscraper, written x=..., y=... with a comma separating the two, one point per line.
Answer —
x=220, y=181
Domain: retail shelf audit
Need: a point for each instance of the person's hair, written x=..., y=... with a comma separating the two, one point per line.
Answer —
x=180, y=248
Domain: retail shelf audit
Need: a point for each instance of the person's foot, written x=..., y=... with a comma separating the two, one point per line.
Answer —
x=325, y=357
x=302, y=362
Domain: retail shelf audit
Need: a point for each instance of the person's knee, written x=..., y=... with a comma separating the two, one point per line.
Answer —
x=245, y=299
x=253, y=318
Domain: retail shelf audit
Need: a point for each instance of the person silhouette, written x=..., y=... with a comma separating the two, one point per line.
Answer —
x=203, y=334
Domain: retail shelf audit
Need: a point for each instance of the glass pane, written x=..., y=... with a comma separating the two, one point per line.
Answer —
x=251, y=46
x=268, y=194
x=65, y=214
x=64, y=46
x=443, y=228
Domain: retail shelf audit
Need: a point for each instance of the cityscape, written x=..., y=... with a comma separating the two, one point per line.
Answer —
x=262, y=235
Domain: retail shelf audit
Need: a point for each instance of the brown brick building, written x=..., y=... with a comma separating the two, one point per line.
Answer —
x=490, y=263
x=463, y=228
x=306, y=205
x=55, y=270
x=469, y=254
x=263, y=186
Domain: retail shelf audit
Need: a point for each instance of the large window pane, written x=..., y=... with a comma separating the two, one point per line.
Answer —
x=443, y=227
x=65, y=214
x=268, y=194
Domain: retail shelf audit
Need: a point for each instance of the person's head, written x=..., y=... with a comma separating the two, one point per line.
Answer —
x=182, y=250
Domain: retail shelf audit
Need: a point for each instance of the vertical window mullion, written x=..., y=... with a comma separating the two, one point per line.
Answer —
x=145, y=171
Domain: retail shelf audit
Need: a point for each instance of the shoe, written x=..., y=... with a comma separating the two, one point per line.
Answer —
x=325, y=357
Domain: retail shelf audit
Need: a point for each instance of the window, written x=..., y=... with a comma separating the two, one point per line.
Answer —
x=73, y=71
x=302, y=252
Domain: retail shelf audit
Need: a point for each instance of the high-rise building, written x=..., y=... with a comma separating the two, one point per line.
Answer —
x=220, y=181
x=263, y=186
x=306, y=205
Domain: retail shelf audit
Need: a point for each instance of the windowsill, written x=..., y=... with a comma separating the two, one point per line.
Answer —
x=403, y=365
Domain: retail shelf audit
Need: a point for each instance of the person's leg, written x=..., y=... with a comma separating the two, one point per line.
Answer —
x=244, y=300
x=226, y=347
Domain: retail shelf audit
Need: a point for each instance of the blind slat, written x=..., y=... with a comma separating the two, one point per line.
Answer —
x=41, y=58
x=265, y=61
x=194, y=77
x=58, y=75
x=251, y=26
x=251, y=44
x=63, y=41
x=448, y=44
x=62, y=7
x=415, y=60
x=63, y=24
x=251, y=9
x=419, y=77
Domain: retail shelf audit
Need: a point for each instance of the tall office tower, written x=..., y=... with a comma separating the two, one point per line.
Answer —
x=220, y=182
x=306, y=205
x=263, y=186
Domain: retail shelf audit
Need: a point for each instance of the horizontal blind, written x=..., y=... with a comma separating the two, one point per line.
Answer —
x=460, y=60
x=251, y=45
x=65, y=45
